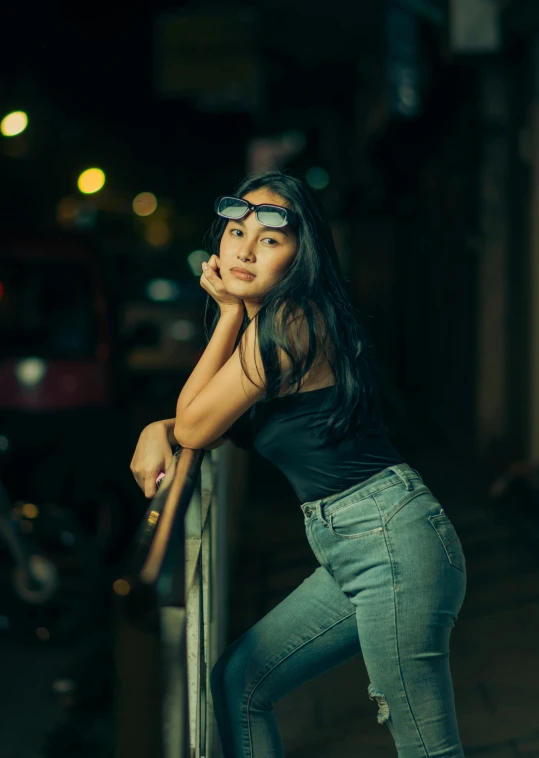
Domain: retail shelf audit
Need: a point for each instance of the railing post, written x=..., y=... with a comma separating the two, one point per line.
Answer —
x=174, y=677
x=181, y=566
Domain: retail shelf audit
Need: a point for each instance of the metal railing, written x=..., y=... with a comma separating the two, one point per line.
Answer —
x=182, y=560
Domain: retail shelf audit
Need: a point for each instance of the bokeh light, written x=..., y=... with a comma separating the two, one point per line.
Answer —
x=317, y=178
x=30, y=371
x=91, y=180
x=163, y=290
x=14, y=123
x=121, y=587
x=29, y=510
x=182, y=330
x=144, y=204
x=196, y=259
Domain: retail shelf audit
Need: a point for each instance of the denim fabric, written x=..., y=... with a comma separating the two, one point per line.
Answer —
x=391, y=581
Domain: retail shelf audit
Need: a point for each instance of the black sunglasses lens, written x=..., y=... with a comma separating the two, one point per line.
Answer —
x=232, y=207
x=270, y=216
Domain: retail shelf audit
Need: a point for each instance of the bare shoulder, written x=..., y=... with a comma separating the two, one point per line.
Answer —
x=320, y=373
x=296, y=320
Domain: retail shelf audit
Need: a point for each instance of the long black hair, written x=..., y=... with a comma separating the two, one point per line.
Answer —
x=314, y=278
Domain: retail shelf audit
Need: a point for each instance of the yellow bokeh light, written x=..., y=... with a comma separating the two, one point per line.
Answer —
x=145, y=204
x=91, y=180
x=29, y=510
x=121, y=587
x=14, y=123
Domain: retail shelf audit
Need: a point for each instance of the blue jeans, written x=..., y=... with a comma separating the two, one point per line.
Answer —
x=391, y=581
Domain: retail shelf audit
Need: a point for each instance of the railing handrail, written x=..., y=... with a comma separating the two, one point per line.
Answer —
x=176, y=495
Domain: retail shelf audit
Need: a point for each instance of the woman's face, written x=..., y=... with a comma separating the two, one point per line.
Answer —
x=265, y=252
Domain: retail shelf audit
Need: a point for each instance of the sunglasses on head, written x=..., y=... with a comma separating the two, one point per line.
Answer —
x=266, y=214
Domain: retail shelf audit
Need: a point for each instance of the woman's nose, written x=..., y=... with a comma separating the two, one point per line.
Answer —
x=246, y=248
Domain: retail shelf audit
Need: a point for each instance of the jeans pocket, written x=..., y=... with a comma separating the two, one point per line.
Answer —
x=449, y=538
x=359, y=519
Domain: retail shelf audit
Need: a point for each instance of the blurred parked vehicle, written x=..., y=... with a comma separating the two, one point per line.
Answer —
x=54, y=329
x=59, y=434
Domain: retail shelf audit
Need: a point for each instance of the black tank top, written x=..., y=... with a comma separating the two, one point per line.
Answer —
x=283, y=431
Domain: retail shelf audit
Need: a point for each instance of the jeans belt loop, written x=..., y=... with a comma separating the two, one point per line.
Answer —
x=402, y=476
x=320, y=513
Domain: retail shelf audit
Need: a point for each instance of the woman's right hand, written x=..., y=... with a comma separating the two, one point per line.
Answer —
x=212, y=282
x=152, y=455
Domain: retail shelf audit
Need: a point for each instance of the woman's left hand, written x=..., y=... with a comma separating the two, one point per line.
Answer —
x=213, y=284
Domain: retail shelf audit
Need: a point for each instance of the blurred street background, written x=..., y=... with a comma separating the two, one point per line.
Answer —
x=417, y=123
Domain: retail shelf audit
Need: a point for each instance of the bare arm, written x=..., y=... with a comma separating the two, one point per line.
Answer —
x=153, y=451
x=217, y=352
x=215, y=394
x=168, y=423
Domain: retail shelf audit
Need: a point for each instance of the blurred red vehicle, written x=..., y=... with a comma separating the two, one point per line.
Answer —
x=54, y=329
x=55, y=400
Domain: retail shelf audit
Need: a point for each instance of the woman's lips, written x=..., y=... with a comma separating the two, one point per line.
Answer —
x=242, y=275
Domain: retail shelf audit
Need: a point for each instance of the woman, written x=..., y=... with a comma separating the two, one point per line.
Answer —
x=288, y=371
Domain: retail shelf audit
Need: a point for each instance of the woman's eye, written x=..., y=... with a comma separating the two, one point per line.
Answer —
x=268, y=240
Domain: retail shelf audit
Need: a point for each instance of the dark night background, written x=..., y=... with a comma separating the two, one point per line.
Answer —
x=417, y=122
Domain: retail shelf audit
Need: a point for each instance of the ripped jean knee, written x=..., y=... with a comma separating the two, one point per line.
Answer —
x=383, y=707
